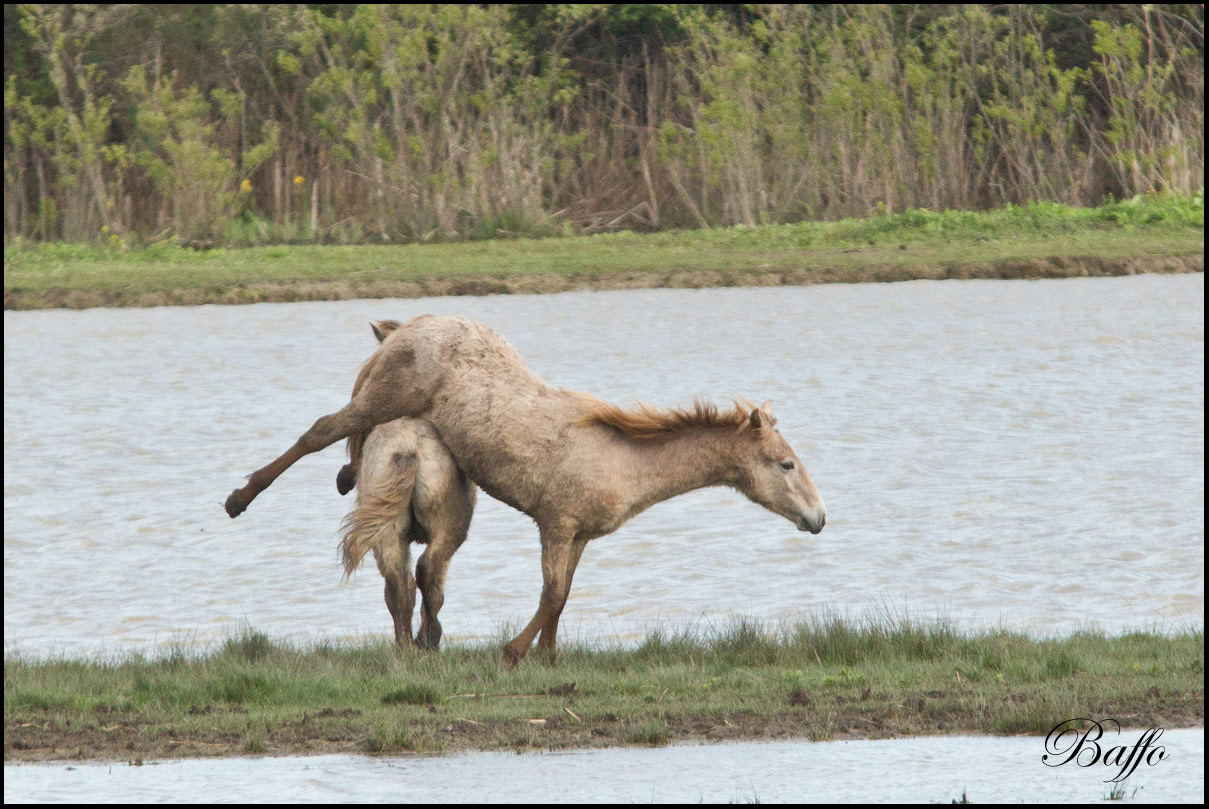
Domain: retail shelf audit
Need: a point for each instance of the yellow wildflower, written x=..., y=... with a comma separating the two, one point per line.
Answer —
x=246, y=186
x=299, y=180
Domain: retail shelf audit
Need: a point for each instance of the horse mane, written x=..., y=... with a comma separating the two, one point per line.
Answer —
x=645, y=422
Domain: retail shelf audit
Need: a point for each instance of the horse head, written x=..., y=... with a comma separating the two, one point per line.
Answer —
x=775, y=477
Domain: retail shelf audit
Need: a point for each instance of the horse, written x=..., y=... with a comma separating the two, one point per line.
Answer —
x=579, y=466
x=411, y=490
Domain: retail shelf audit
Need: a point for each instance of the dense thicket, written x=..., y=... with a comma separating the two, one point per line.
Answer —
x=254, y=123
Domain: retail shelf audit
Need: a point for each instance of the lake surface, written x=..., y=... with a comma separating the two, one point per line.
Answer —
x=923, y=770
x=1020, y=454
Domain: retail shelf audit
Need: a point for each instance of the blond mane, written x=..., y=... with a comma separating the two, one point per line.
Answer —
x=645, y=422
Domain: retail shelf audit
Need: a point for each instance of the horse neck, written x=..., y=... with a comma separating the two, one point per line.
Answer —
x=693, y=459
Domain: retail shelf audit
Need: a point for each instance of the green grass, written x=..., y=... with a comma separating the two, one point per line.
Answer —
x=819, y=679
x=921, y=243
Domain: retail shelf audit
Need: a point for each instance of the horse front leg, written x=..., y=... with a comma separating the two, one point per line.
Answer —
x=547, y=640
x=557, y=550
x=352, y=418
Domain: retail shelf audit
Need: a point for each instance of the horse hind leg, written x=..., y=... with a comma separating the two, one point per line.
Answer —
x=431, y=570
x=399, y=592
x=346, y=478
x=432, y=593
x=386, y=391
x=352, y=418
x=381, y=523
x=441, y=509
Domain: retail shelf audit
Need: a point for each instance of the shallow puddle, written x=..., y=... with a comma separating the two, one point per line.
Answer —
x=921, y=770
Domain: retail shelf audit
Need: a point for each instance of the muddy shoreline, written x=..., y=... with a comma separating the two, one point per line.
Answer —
x=116, y=737
x=538, y=283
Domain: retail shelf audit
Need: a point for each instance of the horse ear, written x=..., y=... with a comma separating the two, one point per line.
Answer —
x=384, y=327
x=759, y=419
x=762, y=419
x=766, y=409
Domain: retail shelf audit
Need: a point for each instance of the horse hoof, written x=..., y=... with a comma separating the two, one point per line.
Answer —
x=511, y=658
x=346, y=479
x=235, y=504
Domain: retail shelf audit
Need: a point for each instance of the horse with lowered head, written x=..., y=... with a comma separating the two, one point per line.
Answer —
x=410, y=491
x=579, y=466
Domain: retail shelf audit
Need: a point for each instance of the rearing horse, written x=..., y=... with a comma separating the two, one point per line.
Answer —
x=579, y=466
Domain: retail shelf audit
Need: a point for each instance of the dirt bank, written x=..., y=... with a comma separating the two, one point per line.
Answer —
x=117, y=735
x=534, y=283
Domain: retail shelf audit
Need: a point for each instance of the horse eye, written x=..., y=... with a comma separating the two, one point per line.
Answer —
x=787, y=465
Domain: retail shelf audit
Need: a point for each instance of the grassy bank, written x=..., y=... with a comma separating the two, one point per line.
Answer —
x=1145, y=234
x=823, y=679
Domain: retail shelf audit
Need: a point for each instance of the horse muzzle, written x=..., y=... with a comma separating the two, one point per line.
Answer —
x=812, y=522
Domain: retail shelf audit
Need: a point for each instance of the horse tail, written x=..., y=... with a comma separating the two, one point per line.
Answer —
x=381, y=515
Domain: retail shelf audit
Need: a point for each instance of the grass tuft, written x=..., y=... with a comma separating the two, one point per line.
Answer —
x=412, y=694
x=248, y=645
x=653, y=733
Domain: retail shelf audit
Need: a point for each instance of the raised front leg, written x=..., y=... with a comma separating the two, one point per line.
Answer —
x=557, y=551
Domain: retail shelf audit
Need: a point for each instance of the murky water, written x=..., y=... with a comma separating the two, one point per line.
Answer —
x=1025, y=454
x=932, y=770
